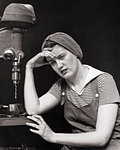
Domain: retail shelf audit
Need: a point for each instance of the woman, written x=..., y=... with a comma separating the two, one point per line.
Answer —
x=90, y=98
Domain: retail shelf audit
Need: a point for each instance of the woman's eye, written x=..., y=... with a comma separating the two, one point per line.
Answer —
x=61, y=57
x=52, y=62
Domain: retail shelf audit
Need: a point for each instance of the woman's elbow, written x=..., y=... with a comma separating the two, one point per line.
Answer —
x=102, y=141
x=31, y=111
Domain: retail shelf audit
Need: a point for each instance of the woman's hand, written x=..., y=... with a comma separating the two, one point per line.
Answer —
x=40, y=127
x=39, y=59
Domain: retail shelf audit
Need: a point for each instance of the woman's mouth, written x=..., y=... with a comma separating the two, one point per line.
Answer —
x=64, y=71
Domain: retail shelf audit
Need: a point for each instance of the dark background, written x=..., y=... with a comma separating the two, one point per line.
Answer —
x=94, y=24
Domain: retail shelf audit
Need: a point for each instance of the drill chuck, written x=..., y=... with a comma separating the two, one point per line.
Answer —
x=16, y=72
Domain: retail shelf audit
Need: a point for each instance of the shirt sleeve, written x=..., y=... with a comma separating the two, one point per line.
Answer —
x=107, y=89
x=56, y=89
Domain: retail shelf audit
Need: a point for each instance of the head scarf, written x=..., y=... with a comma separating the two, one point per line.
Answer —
x=66, y=41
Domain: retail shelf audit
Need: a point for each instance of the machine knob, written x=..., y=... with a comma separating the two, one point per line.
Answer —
x=9, y=54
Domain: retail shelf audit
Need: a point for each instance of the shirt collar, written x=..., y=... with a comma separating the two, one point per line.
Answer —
x=92, y=73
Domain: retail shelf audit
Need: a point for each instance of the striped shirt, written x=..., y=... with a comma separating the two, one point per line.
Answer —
x=106, y=89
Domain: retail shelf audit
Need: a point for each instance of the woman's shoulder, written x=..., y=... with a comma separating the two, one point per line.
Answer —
x=106, y=81
x=105, y=76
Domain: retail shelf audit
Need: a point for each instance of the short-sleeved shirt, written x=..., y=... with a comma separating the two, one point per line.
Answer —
x=80, y=109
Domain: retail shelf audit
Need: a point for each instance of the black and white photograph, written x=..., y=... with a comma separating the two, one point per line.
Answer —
x=59, y=75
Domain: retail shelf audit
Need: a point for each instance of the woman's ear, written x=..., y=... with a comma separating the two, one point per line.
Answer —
x=78, y=58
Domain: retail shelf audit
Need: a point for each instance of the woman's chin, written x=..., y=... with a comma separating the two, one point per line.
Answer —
x=66, y=76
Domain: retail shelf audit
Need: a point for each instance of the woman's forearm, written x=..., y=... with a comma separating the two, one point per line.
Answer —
x=30, y=95
x=89, y=139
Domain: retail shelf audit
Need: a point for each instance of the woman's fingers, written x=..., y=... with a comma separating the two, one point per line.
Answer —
x=35, y=128
x=39, y=117
x=45, y=53
x=34, y=119
x=40, y=56
x=48, y=54
x=40, y=127
x=34, y=131
x=38, y=60
x=33, y=125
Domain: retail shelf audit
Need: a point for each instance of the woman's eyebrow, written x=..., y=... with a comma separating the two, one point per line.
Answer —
x=56, y=57
x=62, y=54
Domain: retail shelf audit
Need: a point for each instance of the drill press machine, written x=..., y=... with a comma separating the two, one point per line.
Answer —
x=16, y=20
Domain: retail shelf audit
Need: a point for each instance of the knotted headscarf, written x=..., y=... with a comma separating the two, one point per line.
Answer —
x=66, y=41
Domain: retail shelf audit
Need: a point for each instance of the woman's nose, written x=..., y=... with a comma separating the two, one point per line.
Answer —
x=59, y=64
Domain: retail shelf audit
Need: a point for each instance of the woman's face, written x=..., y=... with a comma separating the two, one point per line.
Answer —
x=64, y=63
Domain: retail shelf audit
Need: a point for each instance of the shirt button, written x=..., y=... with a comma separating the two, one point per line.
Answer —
x=63, y=93
x=96, y=95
